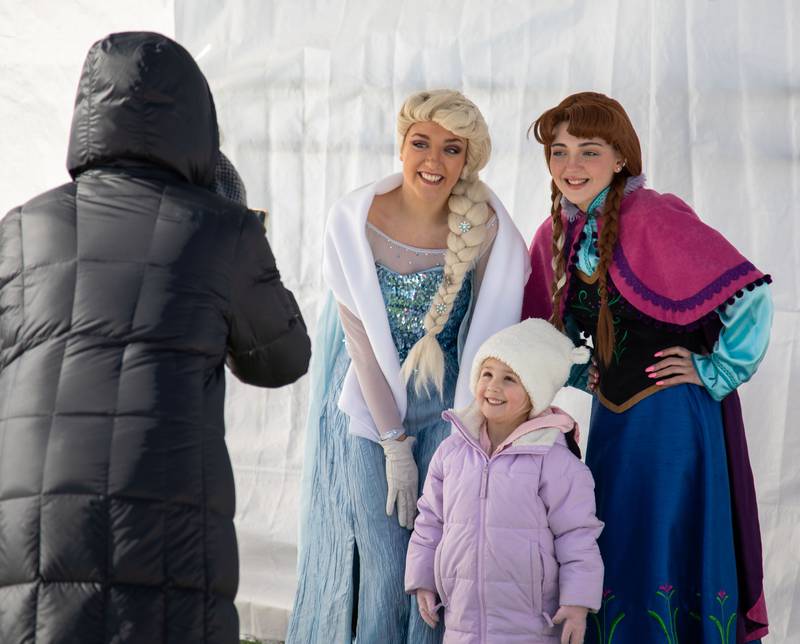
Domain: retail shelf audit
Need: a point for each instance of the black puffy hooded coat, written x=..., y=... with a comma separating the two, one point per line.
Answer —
x=122, y=294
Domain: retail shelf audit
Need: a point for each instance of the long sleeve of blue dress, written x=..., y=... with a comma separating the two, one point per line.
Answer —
x=741, y=345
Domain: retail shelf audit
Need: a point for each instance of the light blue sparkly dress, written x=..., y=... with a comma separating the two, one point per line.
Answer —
x=352, y=556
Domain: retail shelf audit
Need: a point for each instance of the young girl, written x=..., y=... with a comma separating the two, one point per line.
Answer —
x=679, y=319
x=506, y=532
x=424, y=266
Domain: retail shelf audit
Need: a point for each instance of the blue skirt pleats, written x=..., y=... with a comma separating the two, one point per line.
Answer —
x=352, y=558
x=662, y=490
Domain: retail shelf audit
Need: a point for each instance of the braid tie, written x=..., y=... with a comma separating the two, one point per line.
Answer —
x=469, y=212
x=558, y=263
x=606, y=244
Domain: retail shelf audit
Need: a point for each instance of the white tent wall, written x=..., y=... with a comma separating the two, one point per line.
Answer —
x=307, y=94
x=42, y=47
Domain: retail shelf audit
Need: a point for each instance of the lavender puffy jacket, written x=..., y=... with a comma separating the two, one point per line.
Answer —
x=506, y=540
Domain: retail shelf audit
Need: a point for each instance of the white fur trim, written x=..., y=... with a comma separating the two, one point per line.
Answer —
x=348, y=267
x=631, y=184
x=539, y=438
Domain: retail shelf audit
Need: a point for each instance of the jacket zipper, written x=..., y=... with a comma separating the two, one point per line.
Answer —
x=484, y=479
x=483, y=494
x=481, y=541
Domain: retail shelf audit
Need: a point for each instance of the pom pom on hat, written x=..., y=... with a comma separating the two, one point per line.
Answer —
x=538, y=353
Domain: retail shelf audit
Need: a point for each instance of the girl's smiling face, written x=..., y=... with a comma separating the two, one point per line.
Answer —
x=433, y=158
x=582, y=168
x=500, y=395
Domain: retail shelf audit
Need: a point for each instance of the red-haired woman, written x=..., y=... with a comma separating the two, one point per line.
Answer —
x=678, y=319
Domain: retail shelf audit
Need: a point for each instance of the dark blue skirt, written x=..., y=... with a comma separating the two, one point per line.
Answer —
x=662, y=490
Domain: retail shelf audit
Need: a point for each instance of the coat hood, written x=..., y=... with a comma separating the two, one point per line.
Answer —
x=141, y=97
x=541, y=432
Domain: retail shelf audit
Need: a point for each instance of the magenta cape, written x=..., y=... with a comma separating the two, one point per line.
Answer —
x=674, y=268
x=667, y=263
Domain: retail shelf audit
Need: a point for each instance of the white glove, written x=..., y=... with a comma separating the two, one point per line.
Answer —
x=402, y=478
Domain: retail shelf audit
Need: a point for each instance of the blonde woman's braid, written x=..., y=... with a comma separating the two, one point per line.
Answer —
x=558, y=261
x=467, y=217
x=469, y=212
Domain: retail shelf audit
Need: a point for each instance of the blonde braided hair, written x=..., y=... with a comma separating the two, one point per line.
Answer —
x=469, y=212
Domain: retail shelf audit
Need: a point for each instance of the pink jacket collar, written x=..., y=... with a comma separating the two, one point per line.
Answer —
x=541, y=432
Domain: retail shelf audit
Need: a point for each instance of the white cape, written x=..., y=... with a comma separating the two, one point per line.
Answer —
x=349, y=269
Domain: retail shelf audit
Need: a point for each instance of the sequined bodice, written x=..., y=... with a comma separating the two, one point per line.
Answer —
x=408, y=298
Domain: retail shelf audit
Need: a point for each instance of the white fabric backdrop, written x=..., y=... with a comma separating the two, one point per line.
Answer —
x=42, y=47
x=307, y=94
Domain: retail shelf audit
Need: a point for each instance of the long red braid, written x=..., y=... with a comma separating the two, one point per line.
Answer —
x=559, y=263
x=605, y=246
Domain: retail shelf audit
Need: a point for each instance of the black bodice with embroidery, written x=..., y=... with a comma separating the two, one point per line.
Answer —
x=623, y=382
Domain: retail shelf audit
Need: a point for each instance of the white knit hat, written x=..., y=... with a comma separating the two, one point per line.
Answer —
x=538, y=353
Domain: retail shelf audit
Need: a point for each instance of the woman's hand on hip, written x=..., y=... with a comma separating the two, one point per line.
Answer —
x=676, y=367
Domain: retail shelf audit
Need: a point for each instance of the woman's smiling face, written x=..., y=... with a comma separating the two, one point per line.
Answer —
x=433, y=158
x=582, y=168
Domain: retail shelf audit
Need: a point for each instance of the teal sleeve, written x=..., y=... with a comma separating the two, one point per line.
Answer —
x=741, y=345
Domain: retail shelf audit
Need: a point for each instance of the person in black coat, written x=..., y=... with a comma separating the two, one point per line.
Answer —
x=122, y=295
